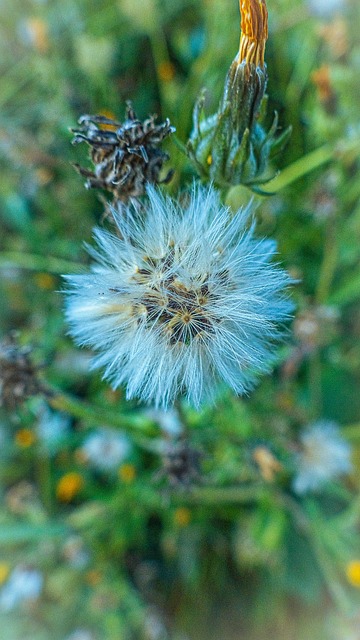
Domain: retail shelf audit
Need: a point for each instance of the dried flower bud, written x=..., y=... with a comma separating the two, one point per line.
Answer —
x=268, y=465
x=181, y=464
x=315, y=326
x=322, y=81
x=126, y=156
x=18, y=374
x=232, y=147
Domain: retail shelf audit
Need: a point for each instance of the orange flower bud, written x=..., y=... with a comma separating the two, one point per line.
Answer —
x=254, y=32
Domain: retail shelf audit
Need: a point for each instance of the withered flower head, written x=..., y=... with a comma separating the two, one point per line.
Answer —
x=126, y=156
x=327, y=96
x=181, y=464
x=232, y=147
x=18, y=374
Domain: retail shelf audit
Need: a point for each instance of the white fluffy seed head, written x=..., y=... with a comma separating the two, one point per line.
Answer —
x=182, y=298
x=105, y=449
x=324, y=456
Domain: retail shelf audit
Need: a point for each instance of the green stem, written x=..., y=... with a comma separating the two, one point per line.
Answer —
x=135, y=423
x=43, y=472
x=352, y=432
x=161, y=56
x=17, y=78
x=300, y=168
x=309, y=163
x=38, y=263
x=329, y=573
x=224, y=495
x=315, y=391
x=315, y=534
x=329, y=263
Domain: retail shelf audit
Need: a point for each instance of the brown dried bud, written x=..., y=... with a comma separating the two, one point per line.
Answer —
x=181, y=464
x=18, y=374
x=126, y=156
x=322, y=81
x=268, y=465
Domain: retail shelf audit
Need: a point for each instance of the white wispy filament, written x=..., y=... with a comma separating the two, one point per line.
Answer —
x=182, y=298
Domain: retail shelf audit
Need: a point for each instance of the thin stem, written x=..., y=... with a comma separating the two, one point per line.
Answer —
x=315, y=387
x=140, y=427
x=327, y=568
x=224, y=495
x=352, y=432
x=329, y=263
x=161, y=57
x=309, y=163
x=34, y=262
x=43, y=472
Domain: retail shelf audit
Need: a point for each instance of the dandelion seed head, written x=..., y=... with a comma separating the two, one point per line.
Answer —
x=324, y=456
x=18, y=374
x=52, y=427
x=105, y=449
x=326, y=8
x=183, y=298
x=24, y=585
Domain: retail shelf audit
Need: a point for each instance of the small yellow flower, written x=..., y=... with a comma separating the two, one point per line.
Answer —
x=267, y=463
x=24, y=438
x=166, y=71
x=127, y=473
x=209, y=159
x=182, y=517
x=38, y=34
x=93, y=577
x=285, y=401
x=336, y=36
x=45, y=281
x=80, y=457
x=322, y=80
x=44, y=176
x=353, y=573
x=112, y=396
x=4, y=571
x=69, y=485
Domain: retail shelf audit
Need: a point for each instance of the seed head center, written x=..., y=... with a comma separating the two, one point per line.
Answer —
x=179, y=309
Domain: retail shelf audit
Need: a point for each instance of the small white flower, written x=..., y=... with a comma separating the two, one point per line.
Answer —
x=169, y=421
x=326, y=8
x=105, y=449
x=80, y=634
x=24, y=584
x=154, y=626
x=52, y=427
x=75, y=552
x=325, y=455
x=185, y=297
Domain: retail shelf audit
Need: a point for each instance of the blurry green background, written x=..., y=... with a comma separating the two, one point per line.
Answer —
x=96, y=551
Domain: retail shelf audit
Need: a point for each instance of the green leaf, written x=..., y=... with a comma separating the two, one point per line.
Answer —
x=13, y=534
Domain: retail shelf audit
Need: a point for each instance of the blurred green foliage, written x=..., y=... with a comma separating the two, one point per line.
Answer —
x=125, y=555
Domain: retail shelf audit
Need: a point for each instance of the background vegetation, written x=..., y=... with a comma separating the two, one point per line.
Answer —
x=98, y=546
